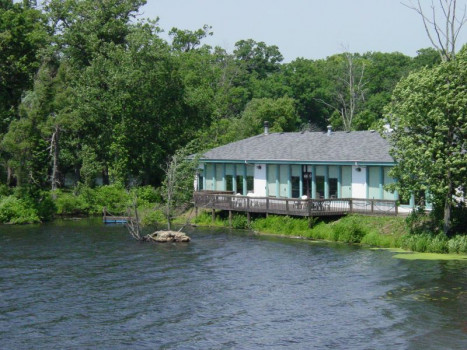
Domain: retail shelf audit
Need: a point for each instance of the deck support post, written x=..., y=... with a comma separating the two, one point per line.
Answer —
x=230, y=218
x=213, y=215
x=350, y=205
x=196, y=211
x=248, y=218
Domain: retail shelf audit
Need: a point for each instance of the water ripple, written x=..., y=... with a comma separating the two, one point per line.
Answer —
x=87, y=286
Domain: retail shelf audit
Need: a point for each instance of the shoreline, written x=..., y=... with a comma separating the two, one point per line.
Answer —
x=365, y=231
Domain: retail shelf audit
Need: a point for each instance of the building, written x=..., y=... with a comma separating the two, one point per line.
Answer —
x=318, y=167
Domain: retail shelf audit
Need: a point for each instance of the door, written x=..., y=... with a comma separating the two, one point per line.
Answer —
x=359, y=182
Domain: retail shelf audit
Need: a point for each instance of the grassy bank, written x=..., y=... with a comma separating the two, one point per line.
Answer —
x=384, y=232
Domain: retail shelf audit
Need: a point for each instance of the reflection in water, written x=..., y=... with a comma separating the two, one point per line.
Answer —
x=85, y=285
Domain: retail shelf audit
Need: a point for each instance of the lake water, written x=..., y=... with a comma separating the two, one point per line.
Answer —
x=83, y=285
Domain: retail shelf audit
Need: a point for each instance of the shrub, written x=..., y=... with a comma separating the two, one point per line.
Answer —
x=45, y=206
x=376, y=239
x=458, y=244
x=4, y=190
x=112, y=197
x=438, y=244
x=348, y=230
x=416, y=242
x=322, y=231
x=239, y=222
x=285, y=225
x=17, y=211
x=148, y=194
x=205, y=219
x=152, y=217
x=69, y=204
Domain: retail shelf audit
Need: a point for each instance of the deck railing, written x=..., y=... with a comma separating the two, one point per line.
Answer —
x=293, y=206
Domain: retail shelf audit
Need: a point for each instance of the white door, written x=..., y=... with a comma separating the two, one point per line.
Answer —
x=260, y=180
x=358, y=182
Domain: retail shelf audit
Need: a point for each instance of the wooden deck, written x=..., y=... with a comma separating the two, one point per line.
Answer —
x=293, y=206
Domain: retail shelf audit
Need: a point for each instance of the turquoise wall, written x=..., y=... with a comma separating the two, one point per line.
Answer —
x=279, y=179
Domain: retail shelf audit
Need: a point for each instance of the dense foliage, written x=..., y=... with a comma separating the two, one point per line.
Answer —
x=88, y=92
x=91, y=94
x=429, y=121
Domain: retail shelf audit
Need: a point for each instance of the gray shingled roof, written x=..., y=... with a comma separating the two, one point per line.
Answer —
x=340, y=146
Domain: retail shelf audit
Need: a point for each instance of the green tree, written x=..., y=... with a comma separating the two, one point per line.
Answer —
x=23, y=33
x=84, y=28
x=429, y=122
x=177, y=187
x=187, y=40
x=259, y=58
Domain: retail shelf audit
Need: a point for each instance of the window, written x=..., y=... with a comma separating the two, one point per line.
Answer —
x=200, y=182
x=240, y=184
x=250, y=180
x=319, y=187
x=295, y=186
x=228, y=182
x=306, y=173
x=332, y=188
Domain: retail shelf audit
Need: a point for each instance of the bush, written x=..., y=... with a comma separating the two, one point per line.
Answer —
x=458, y=244
x=4, y=190
x=239, y=222
x=112, y=197
x=376, y=239
x=152, y=217
x=284, y=225
x=438, y=244
x=348, y=230
x=148, y=194
x=45, y=206
x=17, y=211
x=69, y=204
x=205, y=219
x=322, y=231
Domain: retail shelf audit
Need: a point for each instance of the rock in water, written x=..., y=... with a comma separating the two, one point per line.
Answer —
x=169, y=236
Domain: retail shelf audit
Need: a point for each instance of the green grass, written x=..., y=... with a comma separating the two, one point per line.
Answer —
x=373, y=231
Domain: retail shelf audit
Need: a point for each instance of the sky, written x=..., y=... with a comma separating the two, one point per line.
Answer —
x=311, y=29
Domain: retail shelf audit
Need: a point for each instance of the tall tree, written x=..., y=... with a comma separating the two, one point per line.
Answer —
x=349, y=93
x=23, y=33
x=443, y=25
x=85, y=28
x=429, y=123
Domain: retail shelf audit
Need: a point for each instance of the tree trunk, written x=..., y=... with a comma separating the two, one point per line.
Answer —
x=9, y=177
x=448, y=206
x=54, y=152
